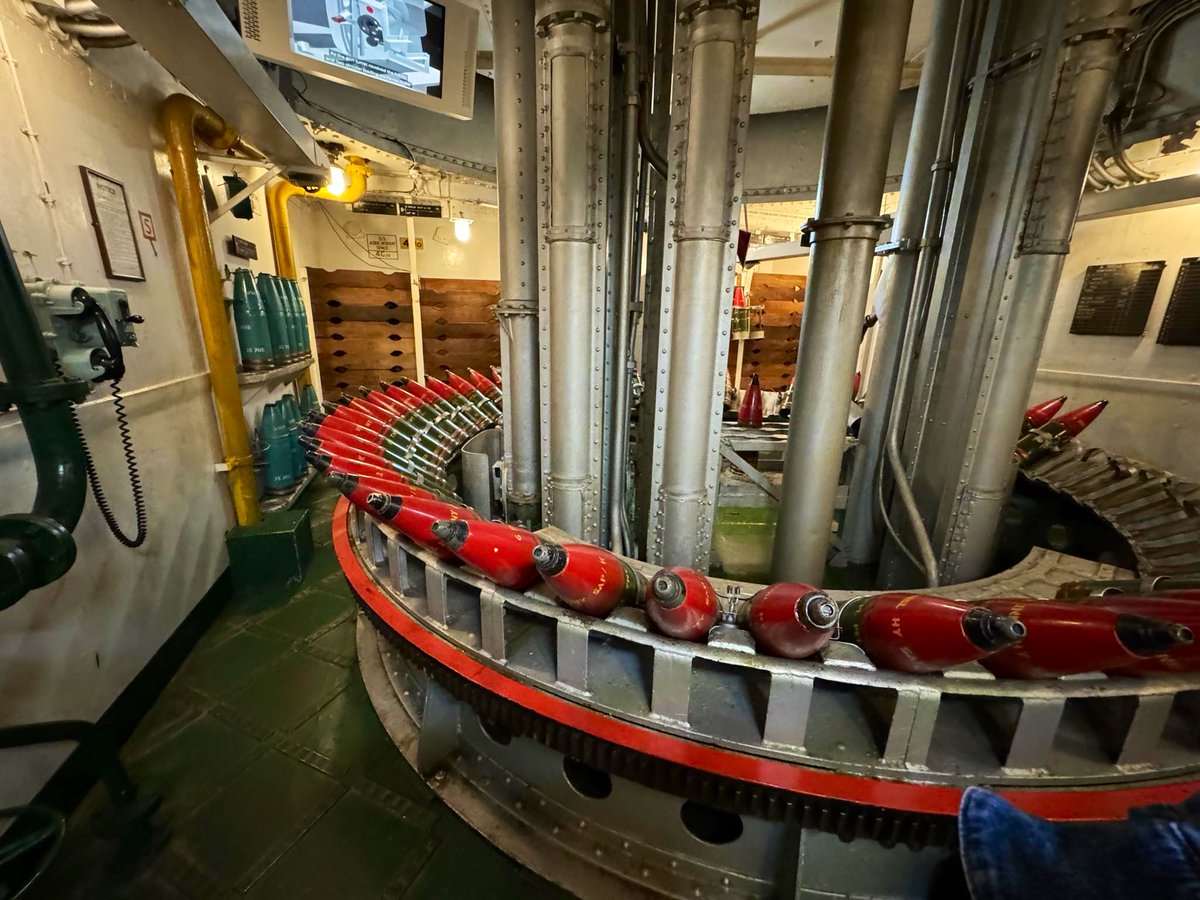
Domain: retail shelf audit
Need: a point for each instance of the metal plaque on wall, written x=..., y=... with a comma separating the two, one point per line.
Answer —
x=1181, y=324
x=1116, y=299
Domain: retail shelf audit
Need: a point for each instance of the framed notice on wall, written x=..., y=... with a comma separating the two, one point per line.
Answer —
x=1116, y=299
x=114, y=226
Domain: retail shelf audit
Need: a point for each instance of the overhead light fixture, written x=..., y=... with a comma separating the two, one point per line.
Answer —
x=462, y=230
x=337, y=181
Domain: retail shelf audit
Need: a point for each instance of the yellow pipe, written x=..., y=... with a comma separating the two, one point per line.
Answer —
x=281, y=191
x=184, y=121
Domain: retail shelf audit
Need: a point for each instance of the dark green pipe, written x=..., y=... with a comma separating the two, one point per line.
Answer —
x=36, y=547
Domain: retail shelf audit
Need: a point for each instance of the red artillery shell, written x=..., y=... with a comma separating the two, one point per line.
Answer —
x=789, y=619
x=1041, y=413
x=1078, y=419
x=330, y=464
x=501, y=552
x=1067, y=639
x=750, y=415
x=920, y=633
x=485, y=385
x=1168, y=609
x=587, y=579
x=414, y=517
x=682, y=603
x=359, y=488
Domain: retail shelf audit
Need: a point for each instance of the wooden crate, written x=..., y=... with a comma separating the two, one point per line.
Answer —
x=364, y=326
x=773, y=357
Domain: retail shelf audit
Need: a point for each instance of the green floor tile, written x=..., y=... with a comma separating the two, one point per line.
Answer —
x=324, y=563
x=310, y=611
x=176, y=706
x=340, y=640
x=346, y=732
x=285, y=695
x=391, y=771
x=186, y=767
x=489, y=873
x=253, y=820
x=356, y=850
x=224, y=669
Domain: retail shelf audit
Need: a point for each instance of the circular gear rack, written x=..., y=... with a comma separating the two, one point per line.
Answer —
x=616, y=762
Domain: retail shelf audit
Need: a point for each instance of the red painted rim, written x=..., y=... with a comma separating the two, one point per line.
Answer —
x=1083, y=804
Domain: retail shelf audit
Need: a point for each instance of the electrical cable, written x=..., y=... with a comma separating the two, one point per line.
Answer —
x=392, y=139
x=354, y=247
x=54, y=830
x=131, y=465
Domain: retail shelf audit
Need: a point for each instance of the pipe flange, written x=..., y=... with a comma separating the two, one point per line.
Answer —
x=43, y=393
x=512, y=308
x=574, y=12
x=843, y=227
x=747, y=8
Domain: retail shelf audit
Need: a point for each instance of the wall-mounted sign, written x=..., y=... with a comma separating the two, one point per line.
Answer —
x=375, y=206
x=383, y=246
x=421, y=210
x=1181, y=324
x=241, y=248
x=148, y=231
x=114, y=226
x=1116, y=299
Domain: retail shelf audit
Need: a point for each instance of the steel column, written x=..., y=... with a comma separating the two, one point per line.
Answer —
x=714, y=56
x=516, y=175
x=866, y=79
x=573, y=46
x=1091, y=46
x=949, y=42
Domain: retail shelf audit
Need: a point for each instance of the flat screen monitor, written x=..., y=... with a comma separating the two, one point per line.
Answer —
x=416, y=51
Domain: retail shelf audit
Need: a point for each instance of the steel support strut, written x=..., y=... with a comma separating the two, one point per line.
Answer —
x=866, y=79
x=516, y=175
x=714, y=58
x=573, y=68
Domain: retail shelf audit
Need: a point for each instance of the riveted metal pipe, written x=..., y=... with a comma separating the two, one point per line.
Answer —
x=866, y=79
x=710, y=108
x=573, y=113
x=1091, y=49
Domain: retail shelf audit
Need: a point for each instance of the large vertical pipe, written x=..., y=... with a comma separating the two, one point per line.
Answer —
x=714, y=58
x=516, y=175
x=949, y=41
x=572, y=129
x=1091, y=47
x=866, y=78
x=184, y=121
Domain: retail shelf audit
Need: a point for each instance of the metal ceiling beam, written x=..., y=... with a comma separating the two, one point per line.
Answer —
x=196, y=42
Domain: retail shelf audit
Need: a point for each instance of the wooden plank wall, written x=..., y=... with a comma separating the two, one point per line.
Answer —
x=774, y=356
x=364, y=326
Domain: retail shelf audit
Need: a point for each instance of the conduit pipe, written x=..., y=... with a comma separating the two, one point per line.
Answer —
x=281, y=191
x=950, y=35
x=517, y=311
x=621, y=365
x=866, y=79
x=184, y=122
x=1089, y=64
